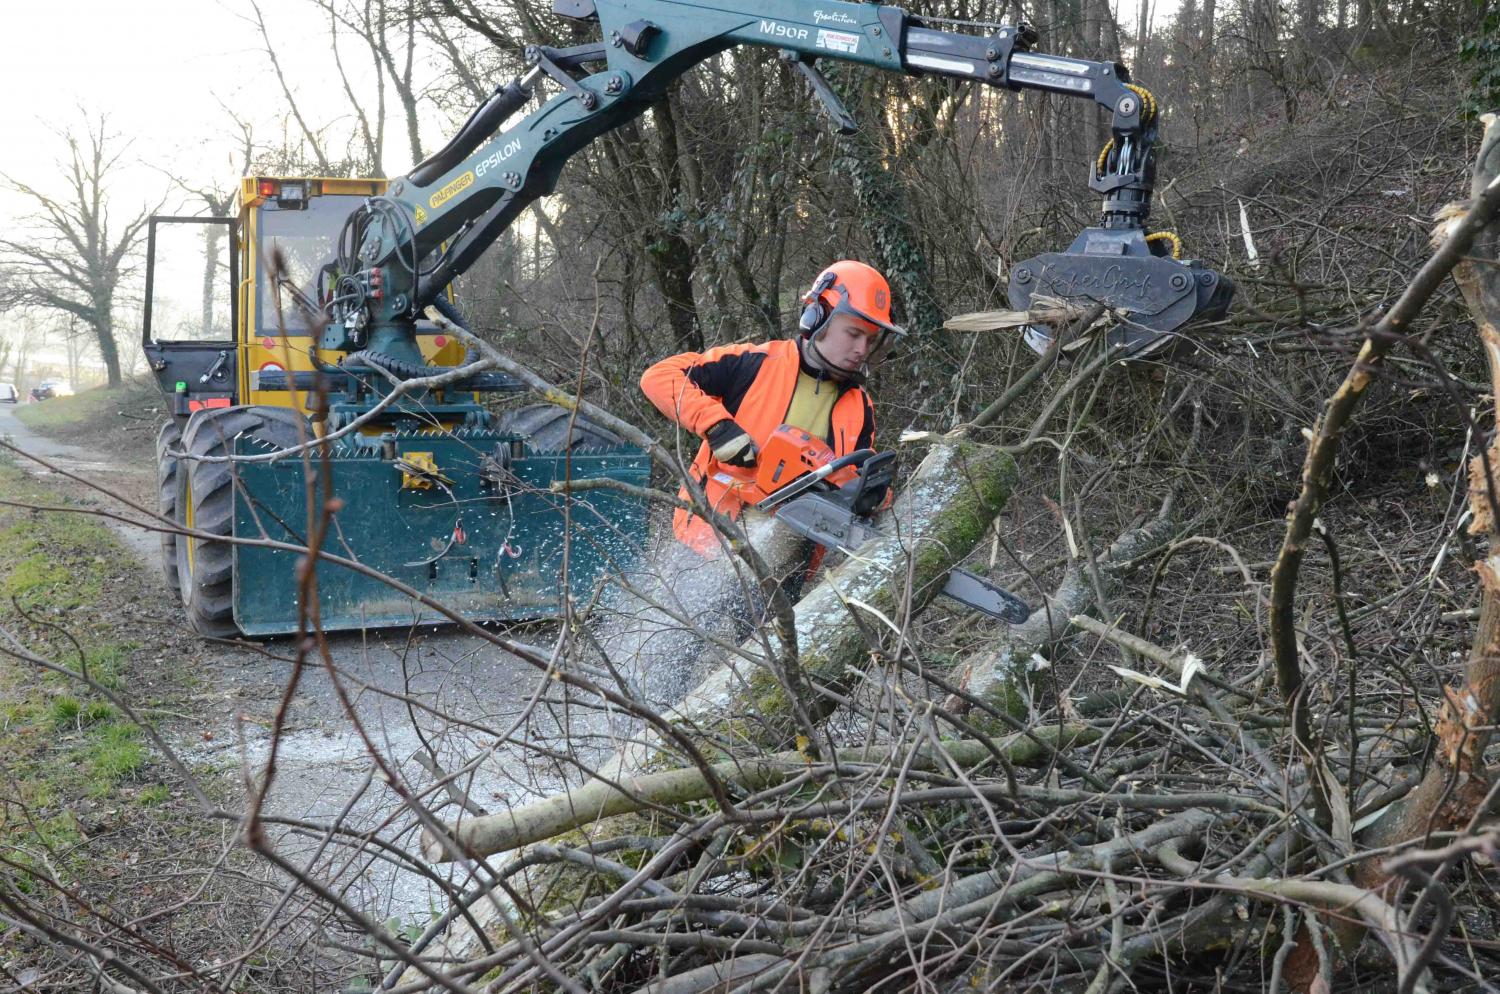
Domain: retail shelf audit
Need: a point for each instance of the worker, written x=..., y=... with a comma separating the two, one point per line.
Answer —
x=736, y=396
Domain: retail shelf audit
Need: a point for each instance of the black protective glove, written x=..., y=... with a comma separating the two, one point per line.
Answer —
x=731, y=444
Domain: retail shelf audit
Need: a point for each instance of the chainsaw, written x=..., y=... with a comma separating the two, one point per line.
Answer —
x=830, y=499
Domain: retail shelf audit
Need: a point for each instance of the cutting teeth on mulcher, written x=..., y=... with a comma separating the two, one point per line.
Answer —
x=1153, y=295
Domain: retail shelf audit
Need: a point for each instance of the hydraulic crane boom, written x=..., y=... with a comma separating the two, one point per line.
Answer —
x=400, y=250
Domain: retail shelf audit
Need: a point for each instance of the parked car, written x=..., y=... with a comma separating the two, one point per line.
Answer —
x=47, y=389
x=8, y=394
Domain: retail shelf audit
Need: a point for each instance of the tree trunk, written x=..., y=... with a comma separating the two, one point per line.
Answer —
x=671, y=255
x=1143, y=32
x=213, y=234
x=1206, y=54
x=109, y=350
x=941, y=514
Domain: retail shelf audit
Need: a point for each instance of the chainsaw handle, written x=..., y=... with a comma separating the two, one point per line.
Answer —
x=855, y=458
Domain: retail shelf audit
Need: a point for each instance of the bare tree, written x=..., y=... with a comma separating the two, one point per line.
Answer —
x=390, y=33
x=78, y=258
x=314, y=138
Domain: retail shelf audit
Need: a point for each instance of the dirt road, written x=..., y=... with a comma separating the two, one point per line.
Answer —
x=411, y=695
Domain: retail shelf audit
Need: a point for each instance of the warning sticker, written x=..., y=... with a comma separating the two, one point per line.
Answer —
x=838, y=41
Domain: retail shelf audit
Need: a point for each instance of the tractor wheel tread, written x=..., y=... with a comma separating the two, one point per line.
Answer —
x=208, y=582
x=169, y=438
x=545, y=427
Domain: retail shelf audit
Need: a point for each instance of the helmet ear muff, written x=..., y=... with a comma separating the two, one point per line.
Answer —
x=812, y=318
x=815, y=312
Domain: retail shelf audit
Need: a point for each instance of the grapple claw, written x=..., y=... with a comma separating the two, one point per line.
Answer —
x=1116, y=267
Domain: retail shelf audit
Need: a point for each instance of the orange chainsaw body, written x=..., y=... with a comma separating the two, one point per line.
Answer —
x=789, y=454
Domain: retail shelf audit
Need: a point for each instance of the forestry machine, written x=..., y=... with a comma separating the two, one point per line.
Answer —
x=432, y=488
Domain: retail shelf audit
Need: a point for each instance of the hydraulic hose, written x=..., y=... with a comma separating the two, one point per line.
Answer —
x=399, y=368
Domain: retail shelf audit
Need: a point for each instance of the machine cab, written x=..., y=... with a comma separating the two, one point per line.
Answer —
x=230, y=297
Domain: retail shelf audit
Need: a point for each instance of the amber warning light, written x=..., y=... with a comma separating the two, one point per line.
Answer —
x=267, y=188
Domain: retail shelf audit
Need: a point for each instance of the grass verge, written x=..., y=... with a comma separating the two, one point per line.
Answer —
x=60, y=740
x=121, y=421
x=83, y=795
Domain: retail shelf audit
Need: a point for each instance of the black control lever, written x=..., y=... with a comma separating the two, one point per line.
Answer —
x=213, y=371
x=843, y=121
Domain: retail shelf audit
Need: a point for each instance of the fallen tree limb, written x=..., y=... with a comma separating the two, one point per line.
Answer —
x=603, y=799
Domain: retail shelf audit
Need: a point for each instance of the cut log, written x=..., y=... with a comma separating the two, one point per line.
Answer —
x=938, y=518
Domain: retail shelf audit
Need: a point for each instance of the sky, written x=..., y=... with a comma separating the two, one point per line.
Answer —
x=162, y=71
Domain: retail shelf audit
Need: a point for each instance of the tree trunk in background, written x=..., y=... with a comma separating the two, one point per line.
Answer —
x=1109, y=50
x=671, y=255
x=883, y=210
x=1142, y=32
x=109, y=350
x=1206, y=87
x=1307, y=17
x=213, y=236
x=405, y=88
x=1109, y=31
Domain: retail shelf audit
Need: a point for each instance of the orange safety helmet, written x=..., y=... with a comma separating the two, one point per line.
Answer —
x=850, y=287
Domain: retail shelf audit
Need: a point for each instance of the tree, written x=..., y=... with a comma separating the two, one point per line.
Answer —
x=78, y=258
x=380, y=26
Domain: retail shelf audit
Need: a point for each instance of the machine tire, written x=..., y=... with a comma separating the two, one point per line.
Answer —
x=170, y=437
x=205, y=493
x=545, y=427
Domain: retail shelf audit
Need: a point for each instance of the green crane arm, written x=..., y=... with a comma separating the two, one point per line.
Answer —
x=399, y=251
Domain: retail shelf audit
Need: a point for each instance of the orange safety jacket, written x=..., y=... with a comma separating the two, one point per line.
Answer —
x=753, y=384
